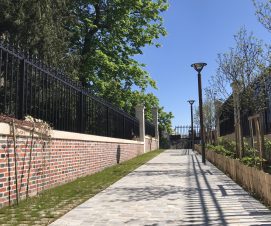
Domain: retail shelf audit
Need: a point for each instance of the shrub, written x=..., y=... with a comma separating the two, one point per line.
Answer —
x=220, y=149
x=267, y=148
x=164, y=143
x=229, y=147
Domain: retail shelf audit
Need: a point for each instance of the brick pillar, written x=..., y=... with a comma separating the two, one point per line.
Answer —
x=155, y=122
x=140, y=115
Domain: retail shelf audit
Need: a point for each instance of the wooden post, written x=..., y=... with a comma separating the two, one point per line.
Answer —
x=259, y=142
x=257, y=120
x=237, y=119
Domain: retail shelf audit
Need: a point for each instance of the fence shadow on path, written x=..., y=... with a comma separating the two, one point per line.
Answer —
x=209, y=197
x=226, y=204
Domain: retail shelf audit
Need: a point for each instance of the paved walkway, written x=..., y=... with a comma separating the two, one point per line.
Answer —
x=172, y=189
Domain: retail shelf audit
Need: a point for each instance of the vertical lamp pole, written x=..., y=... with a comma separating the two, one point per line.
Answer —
x=198, y=67
x=191, y=102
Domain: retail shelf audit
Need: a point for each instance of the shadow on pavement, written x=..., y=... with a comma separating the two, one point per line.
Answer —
x=211, y=207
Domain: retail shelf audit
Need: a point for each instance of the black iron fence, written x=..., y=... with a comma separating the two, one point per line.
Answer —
x=29, y=87
x=186, y=132
x=149, y=128
x=226, y=121
x=226, y=126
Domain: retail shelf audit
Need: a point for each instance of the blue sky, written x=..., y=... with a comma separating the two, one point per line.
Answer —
x=197, y=31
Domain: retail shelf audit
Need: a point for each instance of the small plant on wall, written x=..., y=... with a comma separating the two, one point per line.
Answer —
x=21, y=151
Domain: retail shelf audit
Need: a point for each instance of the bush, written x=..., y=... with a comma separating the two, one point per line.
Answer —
x=164, y=143
x=229, y=147
x=253, y=161
x=220, y=149
x=267, y=148
x=228, y=144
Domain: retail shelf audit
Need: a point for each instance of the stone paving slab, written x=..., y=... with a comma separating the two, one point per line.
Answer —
x=174, y=188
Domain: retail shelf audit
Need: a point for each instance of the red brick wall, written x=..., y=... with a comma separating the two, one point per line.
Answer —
x=55, y=162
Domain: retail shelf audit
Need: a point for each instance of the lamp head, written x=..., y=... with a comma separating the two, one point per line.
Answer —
x=191, y=101
x=198, y=66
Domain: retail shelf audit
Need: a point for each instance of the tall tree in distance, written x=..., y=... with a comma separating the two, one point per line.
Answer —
x=242, y=64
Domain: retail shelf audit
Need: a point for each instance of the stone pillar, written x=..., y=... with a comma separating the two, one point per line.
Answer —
x=140, y=115
x=237, y=118
x=155, y=122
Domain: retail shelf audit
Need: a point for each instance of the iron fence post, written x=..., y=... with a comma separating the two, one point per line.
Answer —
x=81, y=112
x=21, y=91
x=123, y=126
x=107, y=121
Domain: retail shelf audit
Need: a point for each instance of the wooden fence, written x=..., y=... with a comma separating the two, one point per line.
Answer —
x=251, y=179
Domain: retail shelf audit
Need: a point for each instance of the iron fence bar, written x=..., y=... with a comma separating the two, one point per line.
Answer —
x=30, y=87
x=107, y=122
x=81, y=89
x=11, y=86
x=47, y=98
x=16, y=80
x=21, y=90
x=6, y=79
x=123, y=124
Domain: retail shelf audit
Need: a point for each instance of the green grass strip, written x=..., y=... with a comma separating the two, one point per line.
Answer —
x=53, y=203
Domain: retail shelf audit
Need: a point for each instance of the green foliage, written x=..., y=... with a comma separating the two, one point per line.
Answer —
x=165, y=120
x=108, y=34
x=39, y=28
x=164, y=143
x=220, y=149
x=263, y=12
x=267, y=145
x=253, y=161
x=95, y=41
x=228, y=145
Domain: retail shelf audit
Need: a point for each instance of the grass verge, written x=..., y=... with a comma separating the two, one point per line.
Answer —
x=53, y=203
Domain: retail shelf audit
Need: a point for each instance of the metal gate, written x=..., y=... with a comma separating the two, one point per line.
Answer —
x=182, y=137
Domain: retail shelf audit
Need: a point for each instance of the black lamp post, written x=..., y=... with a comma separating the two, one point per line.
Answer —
x=191, y=102
x=198, y=67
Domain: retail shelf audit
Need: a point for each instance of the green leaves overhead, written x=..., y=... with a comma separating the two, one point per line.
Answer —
x=110, y=33
x=95, y=41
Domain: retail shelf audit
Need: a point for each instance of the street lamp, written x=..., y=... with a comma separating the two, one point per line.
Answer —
x=191, y=102
x=198, y=67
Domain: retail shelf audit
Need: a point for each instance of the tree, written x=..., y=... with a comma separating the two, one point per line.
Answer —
x=263, y=12
x=165, y=127
x=95, y=41
x=165, y=120
x=107, y=35
x=38, y=27
x=242, y=64
x=208, y=109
